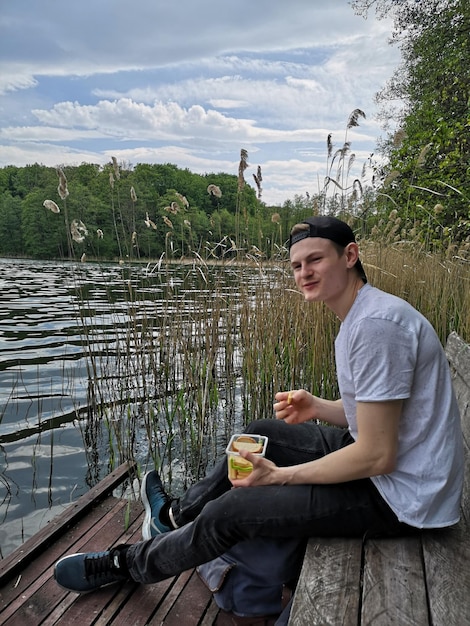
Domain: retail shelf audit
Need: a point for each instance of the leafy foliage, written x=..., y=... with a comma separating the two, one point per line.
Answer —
x=428, y=173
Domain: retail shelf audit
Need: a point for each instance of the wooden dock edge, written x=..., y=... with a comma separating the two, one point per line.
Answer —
x=36, y=544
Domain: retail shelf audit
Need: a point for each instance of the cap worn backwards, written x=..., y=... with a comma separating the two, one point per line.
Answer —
x=327, y=227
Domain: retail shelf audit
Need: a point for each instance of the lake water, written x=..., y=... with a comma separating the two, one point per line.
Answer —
x=45, y=457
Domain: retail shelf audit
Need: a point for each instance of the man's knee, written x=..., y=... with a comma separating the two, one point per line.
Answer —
x=265, y=427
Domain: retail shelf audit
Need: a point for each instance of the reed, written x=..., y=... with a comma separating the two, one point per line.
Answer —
x=195, y=349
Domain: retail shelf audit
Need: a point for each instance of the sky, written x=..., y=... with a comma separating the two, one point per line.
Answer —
x=191, y=82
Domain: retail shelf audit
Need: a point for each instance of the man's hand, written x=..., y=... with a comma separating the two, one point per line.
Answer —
x=294, y=407
x=298, y=406
x=265, y=472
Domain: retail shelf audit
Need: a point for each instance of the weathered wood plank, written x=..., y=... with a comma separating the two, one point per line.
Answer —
x=447, y=558
x=170, y=599
x=41, y=595
x=145, y=601
x=212, y=616
x=14, y=562
x=188, y=608
x=331, y=572
x=36, y=573
x=394, y=591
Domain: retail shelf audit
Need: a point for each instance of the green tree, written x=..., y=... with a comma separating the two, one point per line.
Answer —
x=428, y=172
x=11, y=239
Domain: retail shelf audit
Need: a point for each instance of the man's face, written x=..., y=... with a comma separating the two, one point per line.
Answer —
x=320, y=272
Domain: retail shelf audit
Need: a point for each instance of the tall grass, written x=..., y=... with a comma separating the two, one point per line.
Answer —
x=197, y=350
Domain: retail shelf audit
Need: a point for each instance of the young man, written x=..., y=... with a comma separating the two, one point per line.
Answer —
x=395, y=466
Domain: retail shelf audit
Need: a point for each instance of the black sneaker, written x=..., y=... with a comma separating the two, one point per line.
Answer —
x=89, y=571
x=154, y=499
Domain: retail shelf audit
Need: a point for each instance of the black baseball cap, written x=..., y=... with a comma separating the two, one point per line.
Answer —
x=326, y=227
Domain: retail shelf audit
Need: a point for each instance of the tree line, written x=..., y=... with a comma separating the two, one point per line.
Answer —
x=419, y=192
x=119, y=212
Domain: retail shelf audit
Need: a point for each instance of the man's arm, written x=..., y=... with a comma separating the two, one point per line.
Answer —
x=295, y=407
x=373, y=453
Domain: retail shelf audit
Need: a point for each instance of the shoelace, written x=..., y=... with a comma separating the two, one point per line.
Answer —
x=101, y=565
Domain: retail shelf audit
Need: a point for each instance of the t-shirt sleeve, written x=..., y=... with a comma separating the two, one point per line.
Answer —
x=383, y=356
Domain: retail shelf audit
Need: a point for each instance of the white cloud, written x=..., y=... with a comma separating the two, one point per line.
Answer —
x=190, y=83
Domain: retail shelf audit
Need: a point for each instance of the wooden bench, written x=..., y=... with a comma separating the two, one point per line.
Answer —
x=419, y=580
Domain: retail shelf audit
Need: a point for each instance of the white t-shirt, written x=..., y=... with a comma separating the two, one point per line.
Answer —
x=386, y=350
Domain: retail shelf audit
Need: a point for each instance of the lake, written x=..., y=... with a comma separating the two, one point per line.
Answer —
x=55, y=424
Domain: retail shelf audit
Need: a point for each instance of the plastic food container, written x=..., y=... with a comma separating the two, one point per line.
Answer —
x=238, y=467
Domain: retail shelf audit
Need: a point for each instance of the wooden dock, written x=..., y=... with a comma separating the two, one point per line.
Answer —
x=421, y=580
x=98, y=520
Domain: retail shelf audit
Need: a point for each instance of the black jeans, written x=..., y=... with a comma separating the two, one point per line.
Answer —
x=214, y=517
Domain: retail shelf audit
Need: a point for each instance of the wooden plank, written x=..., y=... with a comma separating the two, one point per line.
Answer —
x=14, y=562
x=329, y=586
x=36, y=572
x=145, y=601
x=394, y=590
x=42, y=595
x=189, y=606
x=170, y=599
x=458, y=353
x=447, y=558
x=210, y=617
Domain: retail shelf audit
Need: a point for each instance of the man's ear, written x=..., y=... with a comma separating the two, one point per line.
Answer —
x=352, y=253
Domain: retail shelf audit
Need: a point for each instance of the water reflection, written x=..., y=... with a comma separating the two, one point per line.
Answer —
x=51, y=451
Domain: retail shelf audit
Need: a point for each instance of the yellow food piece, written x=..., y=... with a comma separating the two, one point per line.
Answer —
x=247, y=443
x=238, y=467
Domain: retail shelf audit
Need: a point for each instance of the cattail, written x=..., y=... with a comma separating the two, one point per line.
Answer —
x=83, y=258
x=111, y=180
x=99, y=232
x=174, y=208
x=51, y=205
x=167, y=221
x=133, y=195
x=275, y=218
x=187, y=223
x=134, y=238
x=117, y=173
x=213, y=190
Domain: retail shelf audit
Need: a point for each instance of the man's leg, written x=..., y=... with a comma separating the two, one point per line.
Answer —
x=288, y=444
x=348, y=509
